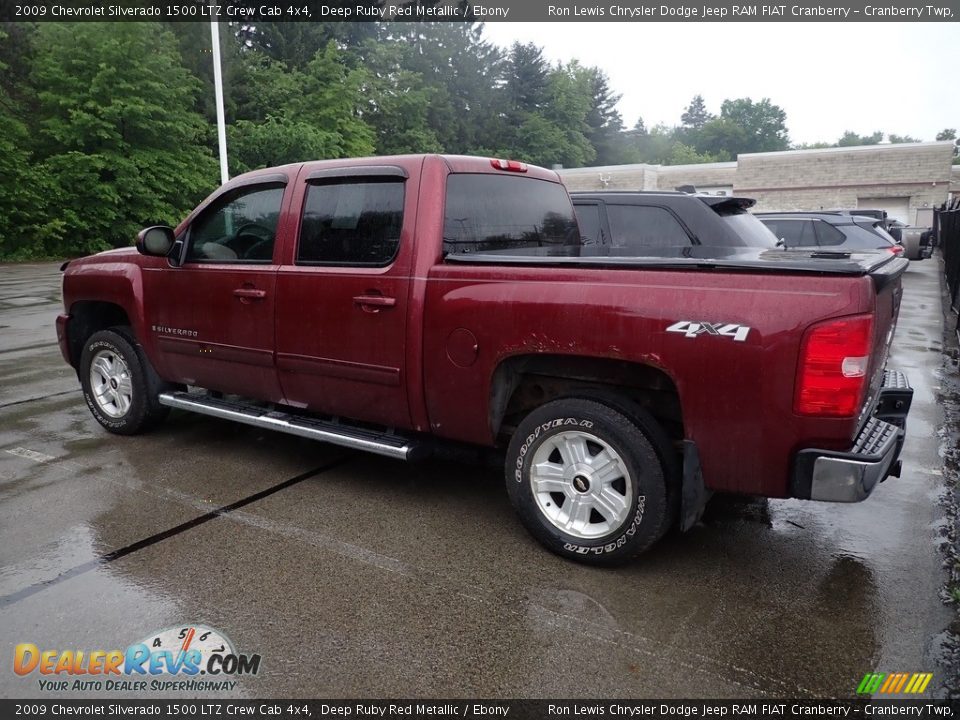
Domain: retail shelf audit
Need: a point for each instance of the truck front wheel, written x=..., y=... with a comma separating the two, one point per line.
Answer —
x=588, y=482
x=119, y=384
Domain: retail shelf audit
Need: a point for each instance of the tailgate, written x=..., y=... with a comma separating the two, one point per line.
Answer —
x=888, y=290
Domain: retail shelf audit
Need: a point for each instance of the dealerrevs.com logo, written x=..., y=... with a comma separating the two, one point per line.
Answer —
x=187, y=658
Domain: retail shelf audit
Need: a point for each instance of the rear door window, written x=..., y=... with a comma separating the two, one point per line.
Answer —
x=828, y=235
x=639, y=227
x=508, y=215
x=591, y=226
x=794, y=232
x=354, y=222
x=860, y=238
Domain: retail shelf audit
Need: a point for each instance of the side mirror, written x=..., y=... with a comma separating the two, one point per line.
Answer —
x=156, y=241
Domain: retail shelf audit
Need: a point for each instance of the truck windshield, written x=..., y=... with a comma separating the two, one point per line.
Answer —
x=507, y=215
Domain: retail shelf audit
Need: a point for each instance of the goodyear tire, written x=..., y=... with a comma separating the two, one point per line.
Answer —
x=588, y=481
x=119, y=384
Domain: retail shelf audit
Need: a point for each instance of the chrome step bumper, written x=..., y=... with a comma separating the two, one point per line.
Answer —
x=851, y=476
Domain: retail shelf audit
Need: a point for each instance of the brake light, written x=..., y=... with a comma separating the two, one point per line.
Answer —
x=895, y=249
x=834, y=360
x=508, y=165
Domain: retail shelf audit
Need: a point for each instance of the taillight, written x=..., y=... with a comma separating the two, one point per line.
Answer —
x=895, y=249
x=834, y=360
x=508, y=165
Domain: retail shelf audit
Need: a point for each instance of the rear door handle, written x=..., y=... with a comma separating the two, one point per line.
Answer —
x=373, y=303
x=250, y=294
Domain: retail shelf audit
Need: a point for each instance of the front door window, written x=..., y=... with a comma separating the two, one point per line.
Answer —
x=240, y=227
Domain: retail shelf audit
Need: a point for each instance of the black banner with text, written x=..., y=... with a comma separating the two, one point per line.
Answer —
x=485, y=11
x=485, y=709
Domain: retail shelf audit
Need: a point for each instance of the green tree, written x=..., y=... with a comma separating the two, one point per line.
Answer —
x=398, y=102
x=17, y=50
x=553, y=129
x=24, y=228
x=526, y=74
x=568, y=101
x=604, y=122
x=951, y=134
x=261, y=87
x=744, y=126
x=681, y=154
x=899, y=139
x=118, y=136
x=196, y=55
x=464, y=73
x=329, y=99
x=313, y=114
x=276, y=141
x=296, y=43
x=653, y=146
x=851, y=139
x=696, y=115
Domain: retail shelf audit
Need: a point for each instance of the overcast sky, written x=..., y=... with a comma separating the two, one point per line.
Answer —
x=828, y=77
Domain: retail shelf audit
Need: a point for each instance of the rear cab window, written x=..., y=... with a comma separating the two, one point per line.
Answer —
x=508, y=215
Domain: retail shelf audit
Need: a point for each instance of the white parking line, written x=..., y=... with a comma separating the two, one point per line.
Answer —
x=31, y=455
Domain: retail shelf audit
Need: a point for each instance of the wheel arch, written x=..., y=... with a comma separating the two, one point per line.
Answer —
x=88, y=317
x=523, y=382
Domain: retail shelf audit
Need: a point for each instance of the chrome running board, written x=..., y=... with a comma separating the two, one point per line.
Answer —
x=335, y=433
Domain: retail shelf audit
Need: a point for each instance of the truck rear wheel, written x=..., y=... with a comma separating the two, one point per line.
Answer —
x=588, y=482
x=119, y=384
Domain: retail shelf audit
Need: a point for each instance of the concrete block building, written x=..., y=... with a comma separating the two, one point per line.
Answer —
x=907, y=180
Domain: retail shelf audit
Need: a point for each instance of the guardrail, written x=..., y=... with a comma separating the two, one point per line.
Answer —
x=946, y=226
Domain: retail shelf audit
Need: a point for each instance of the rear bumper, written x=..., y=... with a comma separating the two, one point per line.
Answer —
x=851, y=476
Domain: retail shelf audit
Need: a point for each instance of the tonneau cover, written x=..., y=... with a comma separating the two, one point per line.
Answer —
x=695, y=257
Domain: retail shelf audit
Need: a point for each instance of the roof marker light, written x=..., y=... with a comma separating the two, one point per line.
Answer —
x=508, y=165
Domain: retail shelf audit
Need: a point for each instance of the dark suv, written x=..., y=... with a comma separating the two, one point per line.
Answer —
x=833, y=231
x=653, y=223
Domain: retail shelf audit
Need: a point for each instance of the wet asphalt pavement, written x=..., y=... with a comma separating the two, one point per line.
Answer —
x=353, y=575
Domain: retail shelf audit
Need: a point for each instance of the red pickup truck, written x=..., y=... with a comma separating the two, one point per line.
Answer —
x=387, y=304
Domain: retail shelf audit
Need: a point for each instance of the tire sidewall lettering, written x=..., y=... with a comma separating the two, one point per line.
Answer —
x=535, y=435
x=132, y=364
x=613, y=545
x=532, y=439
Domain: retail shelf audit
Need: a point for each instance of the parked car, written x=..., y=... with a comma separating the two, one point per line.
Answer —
x=915, y=240
x=831, y=231
x=643, y=223
x=392, y=304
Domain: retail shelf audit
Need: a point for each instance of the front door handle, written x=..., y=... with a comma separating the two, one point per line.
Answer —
x=373, y=303
x=249, y=293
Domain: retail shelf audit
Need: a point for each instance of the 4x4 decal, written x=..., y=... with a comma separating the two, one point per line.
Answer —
x=691, y=329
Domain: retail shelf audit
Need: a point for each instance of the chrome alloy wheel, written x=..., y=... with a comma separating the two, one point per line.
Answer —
x=110, y=383
x=581, y=484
